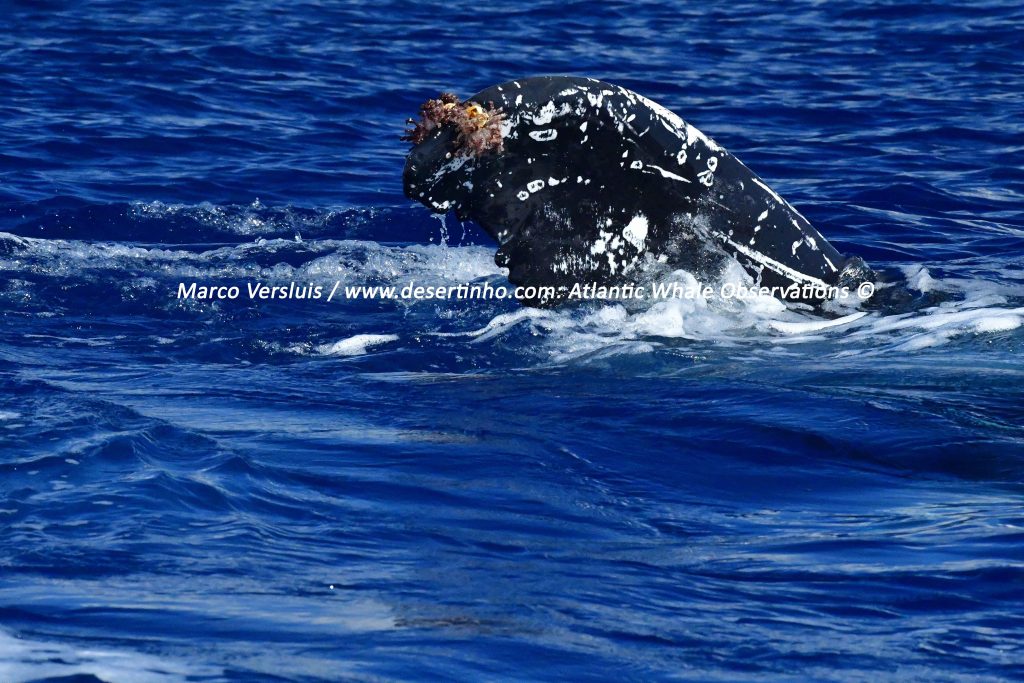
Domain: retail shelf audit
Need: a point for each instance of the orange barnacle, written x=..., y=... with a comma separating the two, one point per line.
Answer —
x=479, y=128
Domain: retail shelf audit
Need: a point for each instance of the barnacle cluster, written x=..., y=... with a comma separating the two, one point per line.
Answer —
x=479, y=128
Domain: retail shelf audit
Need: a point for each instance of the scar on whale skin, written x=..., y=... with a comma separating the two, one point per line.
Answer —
x=579, y=180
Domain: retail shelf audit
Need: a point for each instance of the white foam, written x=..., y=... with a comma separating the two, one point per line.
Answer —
x=356, y=345
x=502, y=323
x=597, y=329
x=997, y=323
x=814, y=325
x=349, y=261
x=975, y=305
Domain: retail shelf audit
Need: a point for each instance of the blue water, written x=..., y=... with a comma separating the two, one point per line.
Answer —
x=713, y=490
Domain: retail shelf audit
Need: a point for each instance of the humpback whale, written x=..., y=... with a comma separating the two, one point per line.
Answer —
x=579, y=180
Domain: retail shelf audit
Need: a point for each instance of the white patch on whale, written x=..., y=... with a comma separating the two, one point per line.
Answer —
x=636, y=231
x=674, y=122
x=772, y=264
x=544, y=116
x=668, y=174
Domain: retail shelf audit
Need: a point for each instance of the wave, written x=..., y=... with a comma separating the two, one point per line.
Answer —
x=970, y=299
x=205, y=223
x=27, y=659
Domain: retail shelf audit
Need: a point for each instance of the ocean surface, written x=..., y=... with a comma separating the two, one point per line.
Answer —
x=697, y=490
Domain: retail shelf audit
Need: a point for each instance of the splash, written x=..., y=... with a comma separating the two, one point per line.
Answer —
x=133, y=278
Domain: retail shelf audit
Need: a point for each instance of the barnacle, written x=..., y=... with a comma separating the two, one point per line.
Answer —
x=479, y=128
